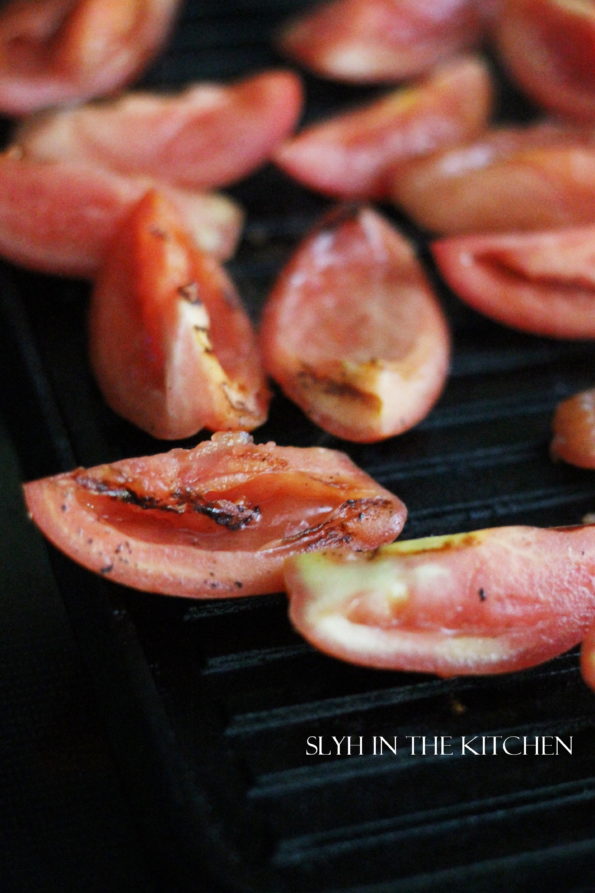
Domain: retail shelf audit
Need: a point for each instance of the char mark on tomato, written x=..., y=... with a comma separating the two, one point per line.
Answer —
x=213, y=520
x=172, y=347
x=352, y=331
x=233, y=516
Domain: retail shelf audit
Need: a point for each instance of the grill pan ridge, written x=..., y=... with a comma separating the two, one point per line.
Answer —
x=209, y=705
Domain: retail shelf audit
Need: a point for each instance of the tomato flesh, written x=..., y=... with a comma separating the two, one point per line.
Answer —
x=172, y=346
x=348, y=156
x=57, y=51
x=548, y=47
x=543, y=283
x=74, y=209
x=214, y=521
x=490, y=601
x=379, y=41
x=574, y=430
x=352, y=331
x=207, y=136
x=476, y=187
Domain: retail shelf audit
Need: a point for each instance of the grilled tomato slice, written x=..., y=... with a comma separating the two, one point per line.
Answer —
x=348, y=156
x=511, y=178
x=57, y=51
x=172, y=347
x=574, y=430
x=58, y=217
x=352, y=330
x=383, y=41
x=209, y=135
x=214, y=521
x=490, y=601
x=543, y=283
x=548, y=47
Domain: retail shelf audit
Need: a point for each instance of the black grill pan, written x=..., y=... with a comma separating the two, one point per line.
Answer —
x=209, y=705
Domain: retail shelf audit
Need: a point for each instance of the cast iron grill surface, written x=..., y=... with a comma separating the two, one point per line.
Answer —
x=209, y=705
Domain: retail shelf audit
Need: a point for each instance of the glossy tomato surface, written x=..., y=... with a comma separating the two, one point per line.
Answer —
x=172, y=346
x=57, y=51
x=208, y=135
x=543, y=283
x=548, y=46
x=512, y=178
x=348, y=156
x=214, y=521
x=490, y=601
x=574, y=430
x=58, y=217
x=374, y=41
x=352, y=330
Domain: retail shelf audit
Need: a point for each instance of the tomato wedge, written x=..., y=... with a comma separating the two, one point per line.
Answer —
x=209, y=135
x=574, y=430
x=490, y=601
x=349, y=155
x=172, y=348
x=58, y=217
x=352, y=331
x=375, y=41
x=214, y=521
x=477, y=187
x=56, y=51
x=548, y=47
x=543, y=283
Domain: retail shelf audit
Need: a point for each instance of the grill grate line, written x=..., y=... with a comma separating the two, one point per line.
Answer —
x=442, y=821
x=295, y=714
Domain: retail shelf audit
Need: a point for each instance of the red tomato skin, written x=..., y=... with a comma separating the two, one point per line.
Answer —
x=379, y=41
x=542, y=283
x=73, y=211
x=57, y=51
x=348, y=156
x=352, y=331
x=475, y=188
x=171, y=345
x=490, y=601
x=548, y=47
x=208, y=135
x=574, y=430
x=587, y=659
x=215, y=521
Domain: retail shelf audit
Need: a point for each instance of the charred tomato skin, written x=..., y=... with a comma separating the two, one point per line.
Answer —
x=490, y=601
x=352, y=331
x=574, y=430
x=215, y=521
